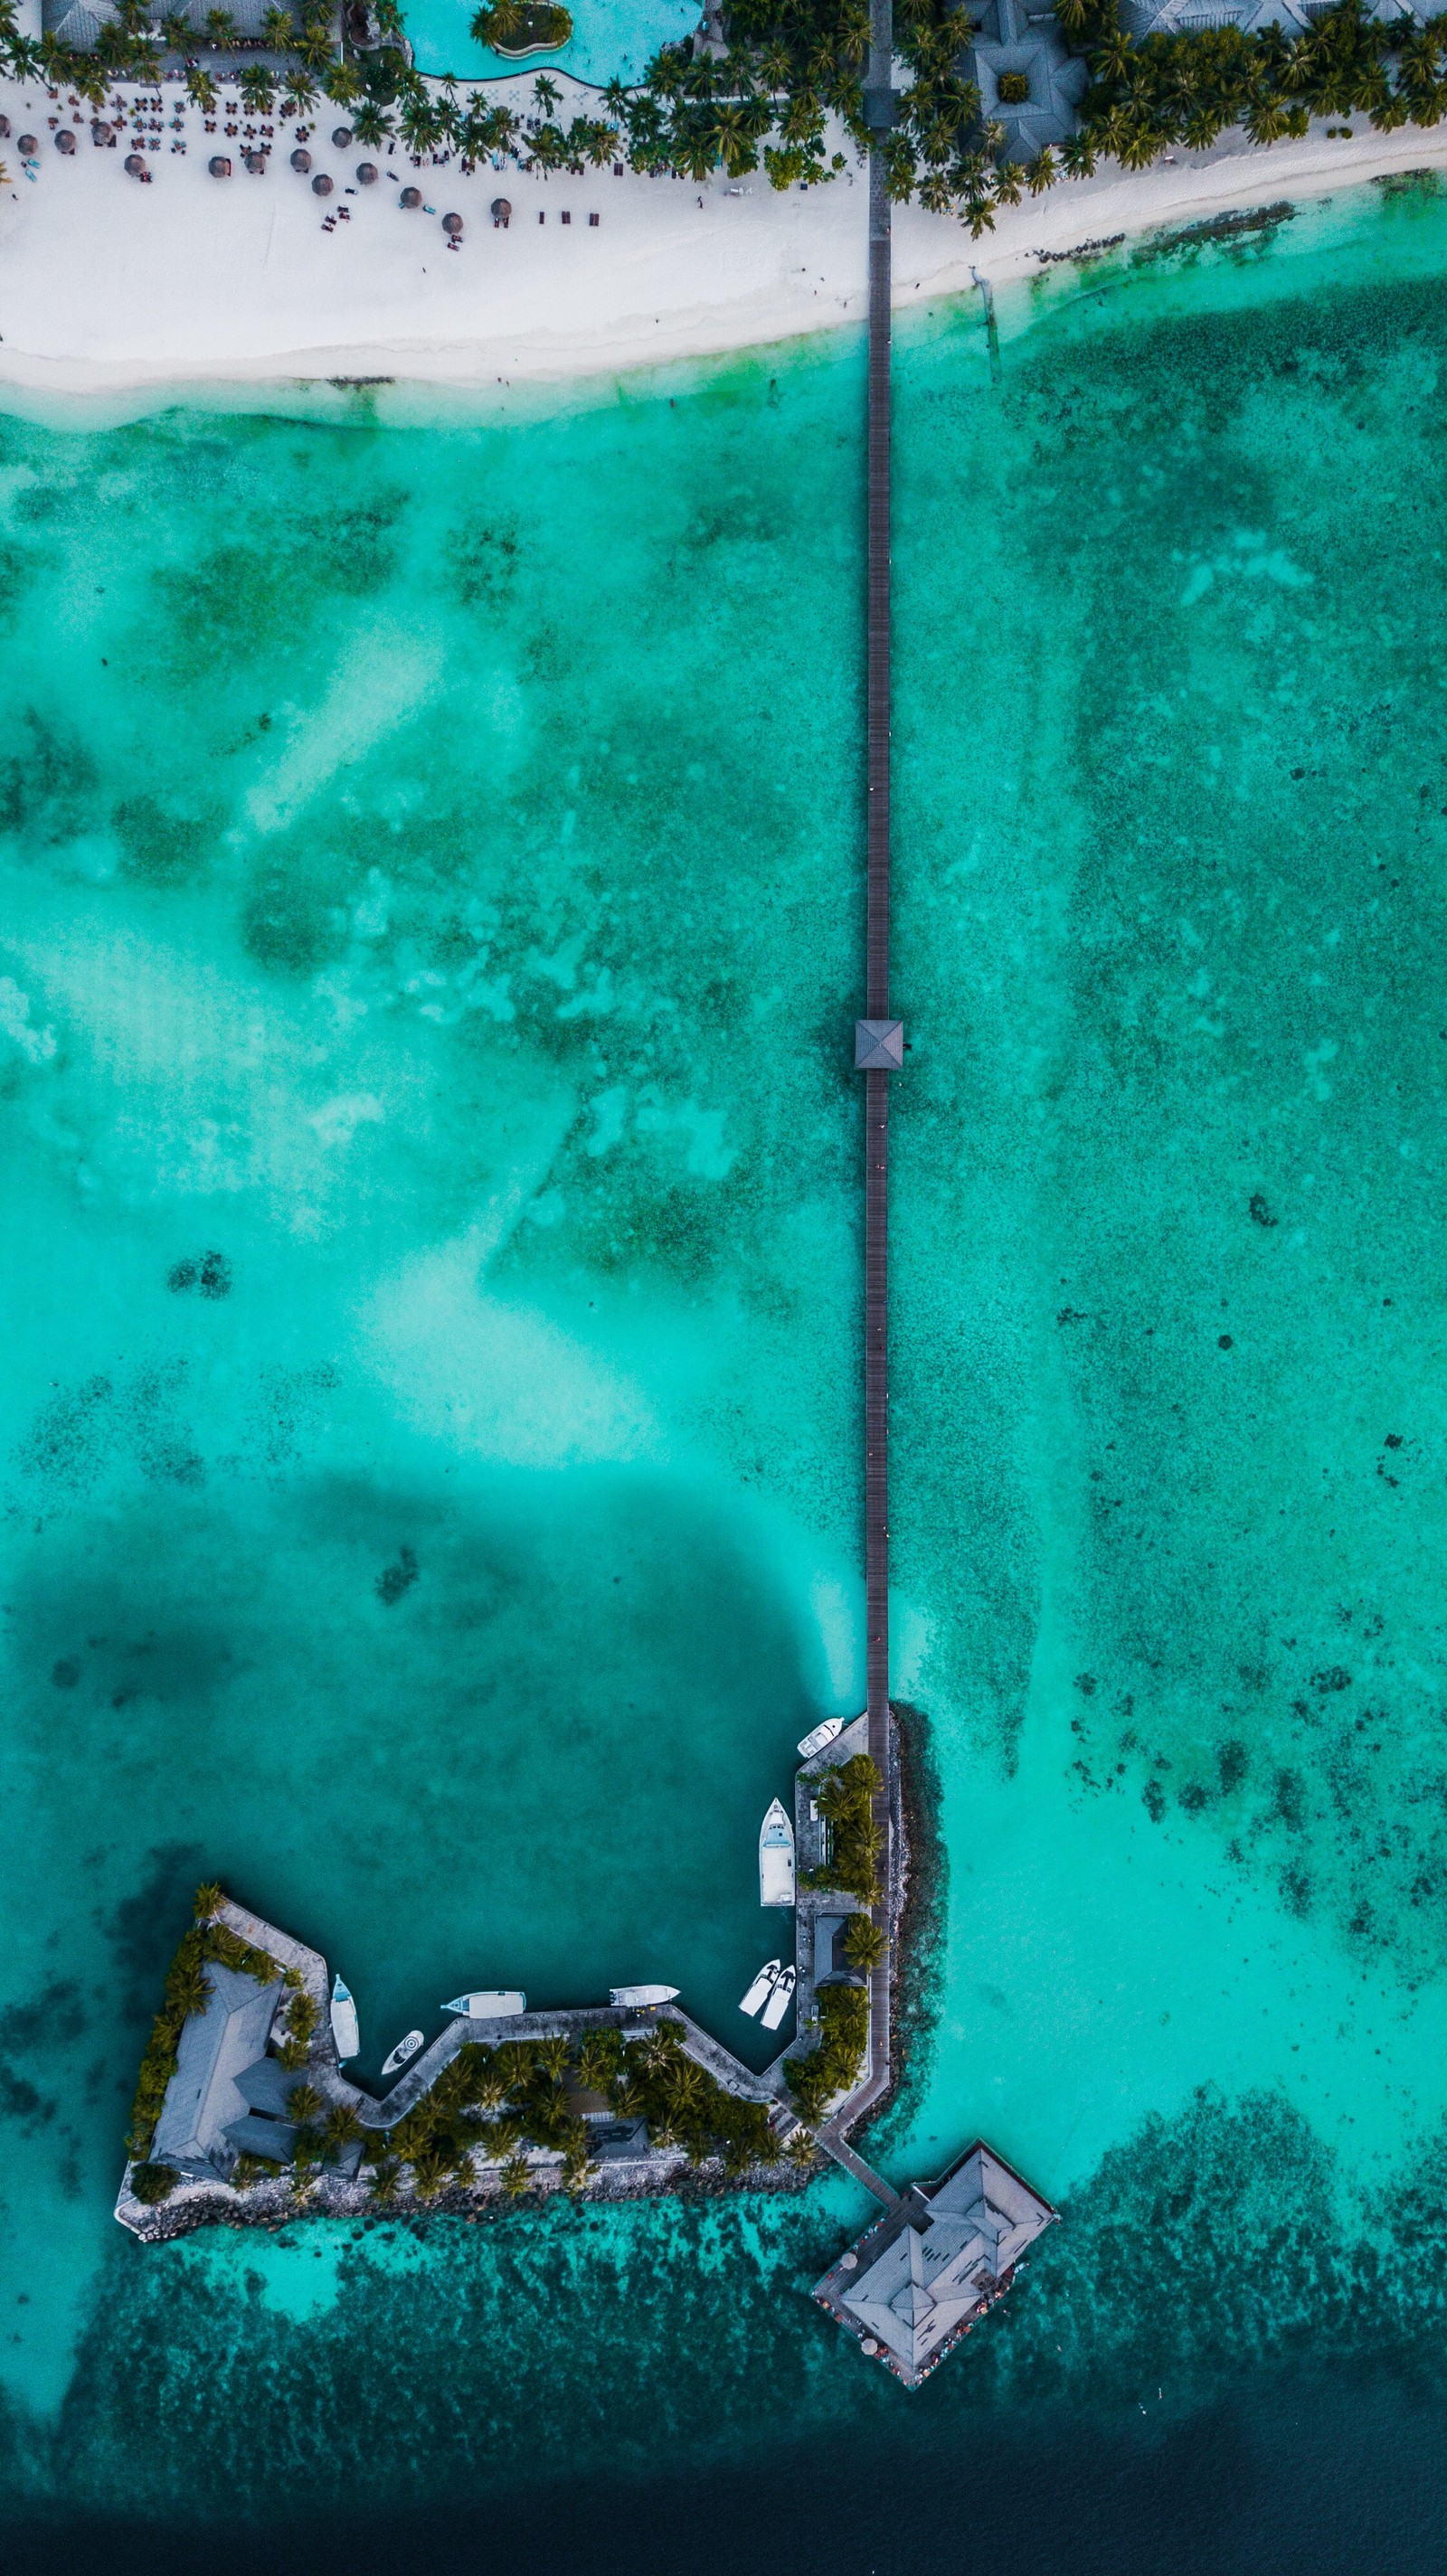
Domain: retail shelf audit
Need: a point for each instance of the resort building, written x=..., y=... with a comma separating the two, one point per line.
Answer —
x=221, y=2062
x=916, y=2282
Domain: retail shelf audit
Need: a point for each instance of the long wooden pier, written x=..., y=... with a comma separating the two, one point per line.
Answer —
x=879, y=1052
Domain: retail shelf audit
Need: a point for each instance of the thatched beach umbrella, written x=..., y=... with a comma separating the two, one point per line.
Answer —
x=301, y=161
x=135, y=166
x=219, y=166
x=65, y=140
x=4, y=129
x=101, y=135
x=28, y=147
x=256, y=164
x=342, y=137
x=501, y=212
x=366, y=174
x=321, y=185
x=409, y=198
x=452, y=226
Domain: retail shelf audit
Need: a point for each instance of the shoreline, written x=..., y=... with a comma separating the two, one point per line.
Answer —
x=120, y=295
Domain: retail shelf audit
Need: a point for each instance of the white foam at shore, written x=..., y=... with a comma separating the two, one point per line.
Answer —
x=109, y=287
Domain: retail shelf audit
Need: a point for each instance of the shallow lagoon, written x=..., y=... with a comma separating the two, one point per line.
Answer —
x=483, y=1010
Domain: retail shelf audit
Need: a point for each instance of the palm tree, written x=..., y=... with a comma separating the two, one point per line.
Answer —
x=221, y=30
x=373, y=123
x=341, y=2128
x=384, y=2180
x=1077, y=156
x=209, y=1900
x=187, y=1990
x=547, y=93
x=864, y=1943
x=277, y=29
x=516, y=2177
x=177, y=31
x=342, y=83
x=304, y=2104
x=551, y=2057
x=1041, y=173
x=300, y=97
x=615, y=97
x=258, y=88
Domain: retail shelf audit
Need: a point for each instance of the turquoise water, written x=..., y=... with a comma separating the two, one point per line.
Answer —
x=484, y=1011
x=610, y=38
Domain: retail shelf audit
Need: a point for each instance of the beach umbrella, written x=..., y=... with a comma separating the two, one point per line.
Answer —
x=256, y=164
x=28, y=147
x=321, y=185
x=501, y=212
x=452, y=224
x=100, y=135
x=409, y=198
x=4, y=129
x=366, y=174
x=135, y=166
x=65, y=140
x=342, y=137
x=219, y=166
x=301, y=161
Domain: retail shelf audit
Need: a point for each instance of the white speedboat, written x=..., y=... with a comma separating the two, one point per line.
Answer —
x=780, y=2000
x=404, y=2049
x=762, y=1987
x=344, y=2020
x=640, y=1997
x=489, y=2003
x=776, y=1858
x=819, y=1736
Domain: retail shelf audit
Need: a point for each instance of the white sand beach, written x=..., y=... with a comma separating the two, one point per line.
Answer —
x=109, y=285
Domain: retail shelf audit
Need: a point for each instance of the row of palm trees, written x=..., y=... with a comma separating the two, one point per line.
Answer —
x=1190, y=88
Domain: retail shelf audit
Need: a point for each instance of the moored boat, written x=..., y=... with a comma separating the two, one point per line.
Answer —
x=776, y=1858
x=642, y=1996
x=762, y=1987
x=344, y=2020
x=405, y=2049
x=780, y=2000
x=819, y=1736
x=489, y=2003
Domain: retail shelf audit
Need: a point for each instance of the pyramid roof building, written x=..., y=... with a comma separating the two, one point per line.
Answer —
x=919, y=2277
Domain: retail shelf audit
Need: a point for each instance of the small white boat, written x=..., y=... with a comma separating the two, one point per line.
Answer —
x=640, y=1997
x=489, y=2003
x=344, y=2020
x=404, y=2049
x=762, y=1987
x=776, y=1858
x=820, y=1736
x=780, y=2000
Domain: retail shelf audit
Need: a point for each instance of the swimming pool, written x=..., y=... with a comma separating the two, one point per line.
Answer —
x=609, y=36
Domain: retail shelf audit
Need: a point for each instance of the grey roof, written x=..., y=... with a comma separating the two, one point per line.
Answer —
x=258, y=2137
x=203, y=2097
x=827, y=1928
x=1014, y=38
x=268, y=2086
x=955, y=2245
x=878, y=1046
x=618, y=2140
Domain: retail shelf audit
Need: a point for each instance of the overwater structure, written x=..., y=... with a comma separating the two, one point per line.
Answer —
x=941, y=2251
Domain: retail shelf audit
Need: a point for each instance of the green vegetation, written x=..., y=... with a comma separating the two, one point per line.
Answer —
x=185, y=1993
x=1013, y=89
x=530, y=2086
x=846, y=1796
x=834, y=2066
x=249, y=2169
x=153, y=2183
x=302, y=2016
x=864, y=1943
x=523, y=27
x=1189, y=88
